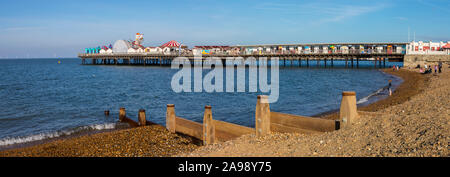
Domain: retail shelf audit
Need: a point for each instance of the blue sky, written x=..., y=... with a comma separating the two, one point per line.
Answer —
x=64, y=28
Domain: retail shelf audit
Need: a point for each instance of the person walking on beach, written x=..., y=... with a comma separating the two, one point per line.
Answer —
x=440, y=66
x=435, y=69
x=389, y=87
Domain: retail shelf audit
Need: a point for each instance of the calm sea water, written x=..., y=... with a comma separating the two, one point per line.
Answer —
x=42, y=99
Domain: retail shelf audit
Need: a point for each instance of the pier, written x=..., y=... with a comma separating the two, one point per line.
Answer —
x=300, y=55
x=302, y=60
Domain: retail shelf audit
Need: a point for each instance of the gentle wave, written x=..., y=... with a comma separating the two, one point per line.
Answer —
x=49, y=135
x=366, y=99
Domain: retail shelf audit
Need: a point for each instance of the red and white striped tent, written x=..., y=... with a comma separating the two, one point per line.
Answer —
x=171, y=44
x=446, y=46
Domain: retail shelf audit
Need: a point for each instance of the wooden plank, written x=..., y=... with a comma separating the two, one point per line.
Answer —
x=188, y=127
x=274, y=127
x=308, y=123
x=130, y=122
x=226, y=131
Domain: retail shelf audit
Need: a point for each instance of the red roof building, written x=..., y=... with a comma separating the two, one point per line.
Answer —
x=172, y=44
x=446, y=46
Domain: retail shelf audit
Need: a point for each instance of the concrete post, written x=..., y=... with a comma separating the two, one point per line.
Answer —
x=122, y=114
x=262, y=116
x=348, y=112
x=209, y=130
x=141, y=117
x=170, y=118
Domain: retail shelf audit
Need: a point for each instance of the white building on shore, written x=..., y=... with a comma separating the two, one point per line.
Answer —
x=431, y=48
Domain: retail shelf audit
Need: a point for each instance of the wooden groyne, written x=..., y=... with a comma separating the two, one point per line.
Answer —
x=266, y=121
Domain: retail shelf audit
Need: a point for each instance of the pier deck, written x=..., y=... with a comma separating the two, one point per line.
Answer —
x=379, y=59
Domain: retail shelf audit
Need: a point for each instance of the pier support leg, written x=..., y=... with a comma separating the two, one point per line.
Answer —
x=209, y=130
x=346, y=63
x=348, y=112
x=307, y=62
x=141, y=117
x=332, y=62
x=379, y=62
x=357, y=62
x=384, y=62
x=352, y=62
x=262, y=116
x=325, y=62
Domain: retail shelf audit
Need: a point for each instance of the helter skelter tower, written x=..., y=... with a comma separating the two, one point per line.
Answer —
x=138, y=41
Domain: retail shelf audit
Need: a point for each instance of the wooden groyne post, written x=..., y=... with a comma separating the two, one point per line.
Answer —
x=170, y=118
x=141, y=118
x=209, y=130
x=122, y=114
x=123, y=118
x=348, y=112
x=262, y=116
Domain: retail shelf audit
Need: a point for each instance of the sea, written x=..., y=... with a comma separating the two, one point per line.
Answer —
x=44, y=99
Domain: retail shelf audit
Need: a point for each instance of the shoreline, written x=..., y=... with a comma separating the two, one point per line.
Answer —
x=33, y=146
x=371, y=99
x=414, y=122
x=412, y=84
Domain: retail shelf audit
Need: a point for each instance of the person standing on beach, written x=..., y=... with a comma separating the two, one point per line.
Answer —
x=435, y=69
x=440, y=66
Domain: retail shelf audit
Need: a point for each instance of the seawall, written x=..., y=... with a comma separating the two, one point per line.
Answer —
x=415, y=59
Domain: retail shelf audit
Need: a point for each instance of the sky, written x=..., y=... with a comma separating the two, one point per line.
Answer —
x=63, y=28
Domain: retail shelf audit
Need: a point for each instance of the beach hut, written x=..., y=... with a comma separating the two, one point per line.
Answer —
x=307, y=49
x=316, y=49
x=140, y=50
x=344, y=49
x=147, y=49
x=324, y=49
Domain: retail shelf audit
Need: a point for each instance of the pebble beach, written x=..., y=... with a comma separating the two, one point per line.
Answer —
x=412, y=122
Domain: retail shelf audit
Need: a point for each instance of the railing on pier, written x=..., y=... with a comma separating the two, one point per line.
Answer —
x=255, y=53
